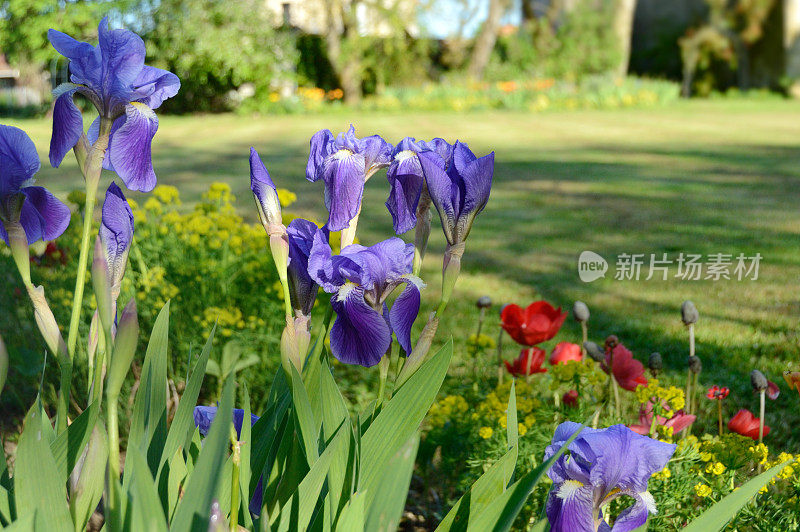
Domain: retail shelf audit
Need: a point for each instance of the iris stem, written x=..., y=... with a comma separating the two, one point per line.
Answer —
x=93, y=169
x=113, y=452
x=236, y=460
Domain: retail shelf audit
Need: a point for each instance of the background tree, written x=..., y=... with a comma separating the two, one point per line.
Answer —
x=487, y=37
x=24, y=25
x=217, y=47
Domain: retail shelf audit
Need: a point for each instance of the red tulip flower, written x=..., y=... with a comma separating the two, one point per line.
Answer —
x=628, y=372
x=715, y=392
x=528, y=362
x=563, y=352
x=679, y=420
x=746, y=424
x=570, y=398
x=533, y=325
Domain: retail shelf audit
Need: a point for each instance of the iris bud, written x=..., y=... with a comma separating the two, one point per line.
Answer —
x=102, y=285
x=47, y=322
x=594, y=351
x=654, y=362
x=694, y=364
x=580, y=311
x=124, y=349
x=484, y=302
x=758, y=381
x=689, y=313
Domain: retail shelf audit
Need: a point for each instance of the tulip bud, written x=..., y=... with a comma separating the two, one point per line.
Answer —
x=654, y=363
x=694, y=364
x=124, y=349
x=3, y=364
x=102, y=285
x=758, y=381
x=580, y=311
x=484, y=302
x=612, y=342
x=594, y=351
x=689, y=313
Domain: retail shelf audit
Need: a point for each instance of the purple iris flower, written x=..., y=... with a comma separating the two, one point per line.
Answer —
x=204, y=416
x=345, y=163
x=459, y=187
x=115, y=79
x=407, y=180
x=601, y=465
x=302, y=287
x=41, y=214
x=116, y=234
x=360, y=280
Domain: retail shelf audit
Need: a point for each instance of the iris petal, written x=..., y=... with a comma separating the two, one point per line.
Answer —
x=360, y=334
x=569, y=508
x=320, y=149
x=18, y=159
x=404, y=311
x=406, y=180
x=130, y=148
x=123, y=58
x=43, y=215
x=154, y=85
x=440, y=188
x=344, y=187
x=67, y=123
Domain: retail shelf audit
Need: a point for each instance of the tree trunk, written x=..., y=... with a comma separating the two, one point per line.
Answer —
x=623, y=27
x=346, y=63
x=484, y=43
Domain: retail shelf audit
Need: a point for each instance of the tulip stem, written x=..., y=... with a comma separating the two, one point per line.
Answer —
x=761, y=417
x=719, y=415
x=500, y=373
x=585, y=332
x=613, y=382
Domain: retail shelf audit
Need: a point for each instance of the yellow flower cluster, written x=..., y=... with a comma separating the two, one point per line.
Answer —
x=226, y=319
x=485, y=432
x=167, y=195
x=573, y=370
x=715, y=468
x=702, y=490
x=662, y=475
x=444, y=410
x=478, y=344
x=672, y=395
x=494, y=407
x=154, y=285
x=219, y=192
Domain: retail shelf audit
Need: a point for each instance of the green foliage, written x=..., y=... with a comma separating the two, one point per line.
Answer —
x=24, y=25
x=217, y=47
x=568, y=46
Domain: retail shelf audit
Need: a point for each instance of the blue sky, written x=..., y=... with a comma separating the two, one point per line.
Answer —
x=443, y=17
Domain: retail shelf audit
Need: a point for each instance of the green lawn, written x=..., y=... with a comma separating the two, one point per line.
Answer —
x=695, y=177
